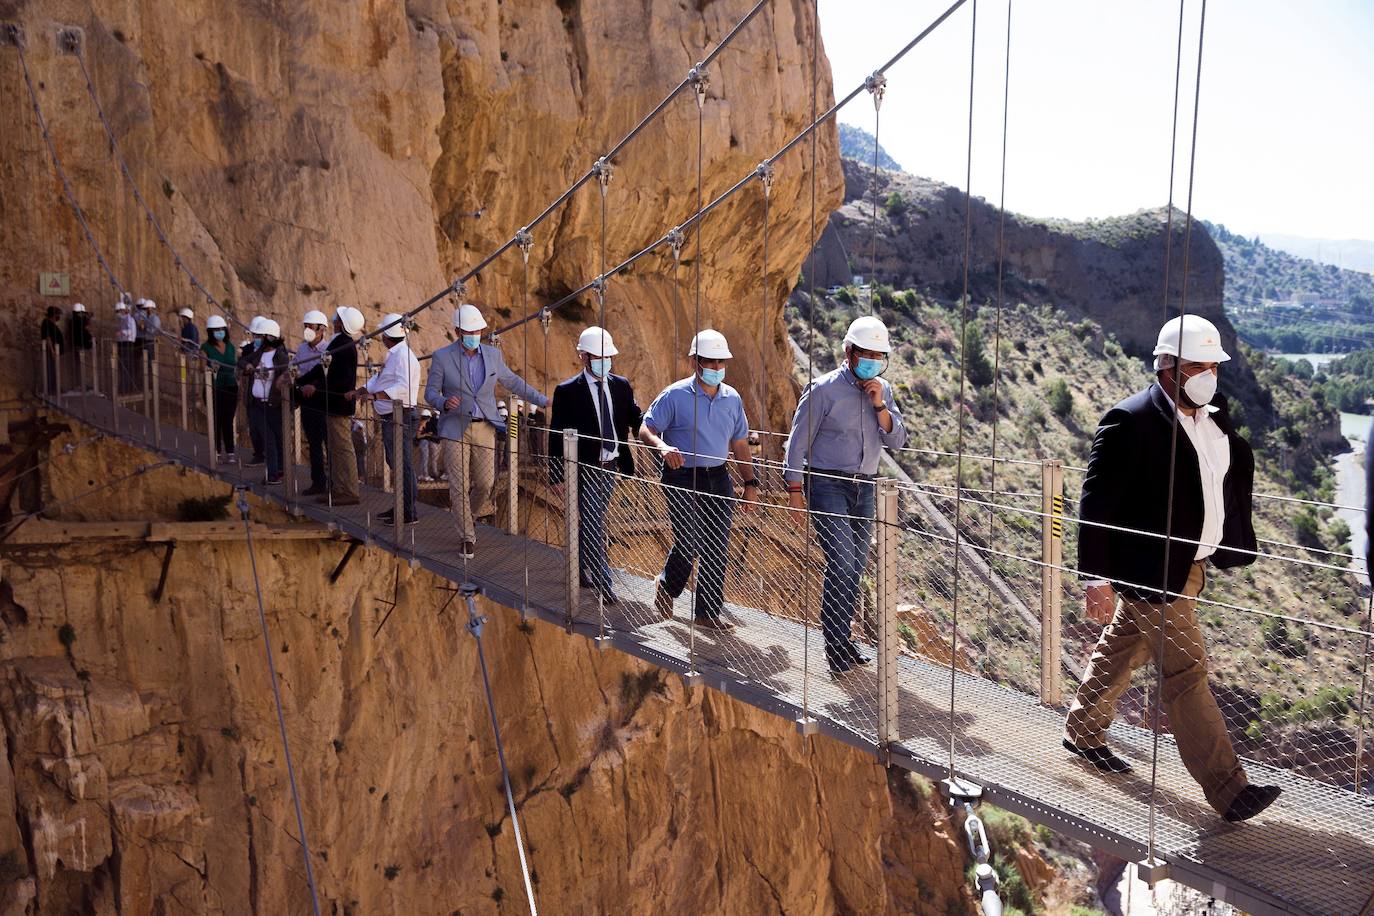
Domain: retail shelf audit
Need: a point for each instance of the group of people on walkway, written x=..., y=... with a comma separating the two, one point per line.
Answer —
x=1166, y=496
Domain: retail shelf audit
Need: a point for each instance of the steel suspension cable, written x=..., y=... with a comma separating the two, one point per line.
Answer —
x=600, y=478
x=276, y=696
x=700, y=83
x=810, y=373
x=876, y=86
x=1173, y=446
x=963, y=386
x=1173, y=156
x=71, y=42
x=997, y=325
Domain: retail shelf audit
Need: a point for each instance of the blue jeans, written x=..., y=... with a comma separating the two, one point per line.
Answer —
x=845, y=544
x=701, y=532
x=407, y=456
x=594, y=488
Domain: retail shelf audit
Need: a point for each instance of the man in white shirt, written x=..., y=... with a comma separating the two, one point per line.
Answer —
x=397, y=380
x=126, y=344
x=1157, y=508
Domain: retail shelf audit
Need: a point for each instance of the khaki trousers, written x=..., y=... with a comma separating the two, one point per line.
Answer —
x=471, y=468
x=1131, y=638
x=343, y=463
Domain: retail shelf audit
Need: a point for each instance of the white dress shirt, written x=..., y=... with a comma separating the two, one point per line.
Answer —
x=1214, y=460
x=126, y=331
x=610, y=449
x=397, y=380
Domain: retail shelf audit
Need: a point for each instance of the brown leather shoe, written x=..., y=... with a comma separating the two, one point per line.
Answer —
x=663, y=602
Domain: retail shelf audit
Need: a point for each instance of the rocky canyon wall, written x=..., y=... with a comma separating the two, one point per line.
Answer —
x=307, y=154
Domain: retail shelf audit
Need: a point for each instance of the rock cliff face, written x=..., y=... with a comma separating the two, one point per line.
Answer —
x=304, y=155
x=143, y=770
x=1111, y=270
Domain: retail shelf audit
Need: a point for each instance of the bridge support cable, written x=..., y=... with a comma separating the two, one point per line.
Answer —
x=525, y=240
x=1364, y=689
x=599, y=477
x=700, y=81
x=876, y=84
x=1173, y=158
x=475, y=624
x=963, y=388
x=1151, y=863
x=997, y=323
x=807, y=724
x=242, y=503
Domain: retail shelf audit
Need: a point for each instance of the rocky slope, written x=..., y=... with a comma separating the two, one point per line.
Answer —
x=1110, y=271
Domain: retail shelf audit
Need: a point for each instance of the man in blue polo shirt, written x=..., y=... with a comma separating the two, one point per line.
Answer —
x=843, y=422
x=695, y=424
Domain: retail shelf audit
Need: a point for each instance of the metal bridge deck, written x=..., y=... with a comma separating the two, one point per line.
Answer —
x=1312, y=852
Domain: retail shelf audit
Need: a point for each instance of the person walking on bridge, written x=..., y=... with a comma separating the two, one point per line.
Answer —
x=602, y=408
x=696, y=424
x=335, y=376
x=462, y=384
x=222, y=358
x=1144, y=549
x=843, y=422
x=126, y=345
x=398, y=380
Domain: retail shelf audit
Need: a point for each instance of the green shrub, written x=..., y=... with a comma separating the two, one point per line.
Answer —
x=976, y=362
x=895, y=205
x=207, y=509
x=1279, y=638
x=1059, y=398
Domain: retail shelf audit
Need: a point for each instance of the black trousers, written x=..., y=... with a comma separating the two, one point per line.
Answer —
x=226, y=406
x=316, y=431
x=700, y=518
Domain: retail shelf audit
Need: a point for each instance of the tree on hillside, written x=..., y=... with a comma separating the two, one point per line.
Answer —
x=896, y=204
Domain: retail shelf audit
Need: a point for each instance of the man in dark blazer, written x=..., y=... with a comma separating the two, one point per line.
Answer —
x=1123, y=552
x=336, y=374
x=602, y=408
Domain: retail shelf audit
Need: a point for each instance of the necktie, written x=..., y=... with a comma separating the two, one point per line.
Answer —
x=608, y=442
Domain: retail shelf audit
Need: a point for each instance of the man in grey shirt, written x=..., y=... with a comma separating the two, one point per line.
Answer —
x=843, y=422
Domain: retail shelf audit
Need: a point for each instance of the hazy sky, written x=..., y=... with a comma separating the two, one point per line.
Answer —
x=1286, y=127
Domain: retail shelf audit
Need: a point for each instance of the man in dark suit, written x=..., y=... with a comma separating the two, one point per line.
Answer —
x=602, y=408
x=336, y=374
x=1126, y=512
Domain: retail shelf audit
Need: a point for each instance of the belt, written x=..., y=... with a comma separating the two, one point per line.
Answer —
x=847, y=475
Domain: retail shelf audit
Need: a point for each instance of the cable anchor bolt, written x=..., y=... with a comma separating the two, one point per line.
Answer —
x=700, y=81
x=470, y=591
x=545, y=316
x=14, y=34
x=69, y=40
x=876, y=84
x=458, y=288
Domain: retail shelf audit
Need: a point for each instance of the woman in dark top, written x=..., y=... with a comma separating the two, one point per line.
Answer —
x=53, y=345
x=223, y=359
x=82, y=343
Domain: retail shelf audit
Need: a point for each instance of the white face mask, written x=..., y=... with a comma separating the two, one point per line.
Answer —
x=1201, y=388
x=308, y=334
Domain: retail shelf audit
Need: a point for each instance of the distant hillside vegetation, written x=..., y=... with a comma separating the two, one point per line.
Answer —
x=857, y=143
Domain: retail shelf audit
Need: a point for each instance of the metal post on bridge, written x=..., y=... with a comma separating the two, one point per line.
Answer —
x=210, y=416
x=181, y=386
x=398, y=464
x=153, y=398
x=570, y=523
x=145, y=367
x=1051, y=580
x=288, y=464
x=513, y=468
x=888, y=532
x=114, y=385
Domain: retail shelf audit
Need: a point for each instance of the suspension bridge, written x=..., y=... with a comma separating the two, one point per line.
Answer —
x=943, y=701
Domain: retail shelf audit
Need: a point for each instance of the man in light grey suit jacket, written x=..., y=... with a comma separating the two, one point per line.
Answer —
x=462, y=385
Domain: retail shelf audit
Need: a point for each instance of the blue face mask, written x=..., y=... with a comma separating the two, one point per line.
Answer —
x=472, y=341
x=217, y=334
x=712, y=377
x=867, y=368
x=600, y=367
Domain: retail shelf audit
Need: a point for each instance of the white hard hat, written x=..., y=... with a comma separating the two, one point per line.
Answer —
x=314, y=316
x=868, y=333
x=269, y=328
x=351, y=319
x=78, y=307
x=186, y=313
x=710, y=345
x=215, y=321
x=147, y=303
x=397, y=325
x=255, y=326
x=1200, y=338
x=596, y=342
x=121, y=306
x=469, y=318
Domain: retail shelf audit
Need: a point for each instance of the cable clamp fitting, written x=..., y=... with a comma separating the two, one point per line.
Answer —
x=700, y=81
x=525, y=240
x=458, y=288
x=765, y=174
x=13, y=34
x=676, y=239
x=545, y=316
x=69, y=40
x=876, y=84
x=604, y=172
